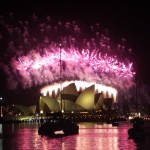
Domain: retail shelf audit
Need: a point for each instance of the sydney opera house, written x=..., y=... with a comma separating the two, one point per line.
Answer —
x=69, y=97
x=76, y=96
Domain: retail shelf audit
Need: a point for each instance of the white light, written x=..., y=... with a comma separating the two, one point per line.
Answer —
x=130, y=117
x=139, y=114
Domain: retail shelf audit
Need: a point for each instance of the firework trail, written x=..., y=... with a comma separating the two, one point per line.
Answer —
x=35, y=45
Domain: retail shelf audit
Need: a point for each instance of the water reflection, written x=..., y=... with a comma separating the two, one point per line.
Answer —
x=91, y=136
x=104, y=136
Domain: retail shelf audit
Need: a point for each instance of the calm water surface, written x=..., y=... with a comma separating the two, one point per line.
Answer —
x=92, y=136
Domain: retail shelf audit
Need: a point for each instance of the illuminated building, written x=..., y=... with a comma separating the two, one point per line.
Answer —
x=76, y=96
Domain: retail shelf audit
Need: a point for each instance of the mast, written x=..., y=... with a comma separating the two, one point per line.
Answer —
x=60, y=79
x=136, y=94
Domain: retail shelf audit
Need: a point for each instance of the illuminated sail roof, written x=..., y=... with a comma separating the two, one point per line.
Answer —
x=26, y=110
x=70, y=100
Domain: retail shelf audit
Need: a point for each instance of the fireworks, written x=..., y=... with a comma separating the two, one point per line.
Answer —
x=39, y=48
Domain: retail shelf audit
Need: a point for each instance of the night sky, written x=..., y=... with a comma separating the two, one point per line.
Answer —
x=129, y=20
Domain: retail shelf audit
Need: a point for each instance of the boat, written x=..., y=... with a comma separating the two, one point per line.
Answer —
x=137, y=131
x=58, y=123
x=115, y=123
x=58, y=127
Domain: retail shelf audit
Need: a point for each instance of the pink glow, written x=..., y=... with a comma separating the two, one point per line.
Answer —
x=86, y=54
x=86, y=66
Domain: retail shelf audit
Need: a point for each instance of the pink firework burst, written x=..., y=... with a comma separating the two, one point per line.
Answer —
x=86, y=54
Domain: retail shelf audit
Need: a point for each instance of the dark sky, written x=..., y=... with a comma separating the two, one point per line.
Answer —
x=128, y=19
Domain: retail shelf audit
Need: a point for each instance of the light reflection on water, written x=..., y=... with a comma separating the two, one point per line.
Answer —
x=91, y=136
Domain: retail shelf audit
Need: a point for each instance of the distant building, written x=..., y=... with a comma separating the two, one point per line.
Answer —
x=24, y=109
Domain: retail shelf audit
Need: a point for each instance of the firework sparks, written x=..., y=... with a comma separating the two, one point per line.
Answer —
x=35, y=54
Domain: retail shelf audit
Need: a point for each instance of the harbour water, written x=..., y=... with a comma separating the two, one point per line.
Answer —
x=92, y=136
